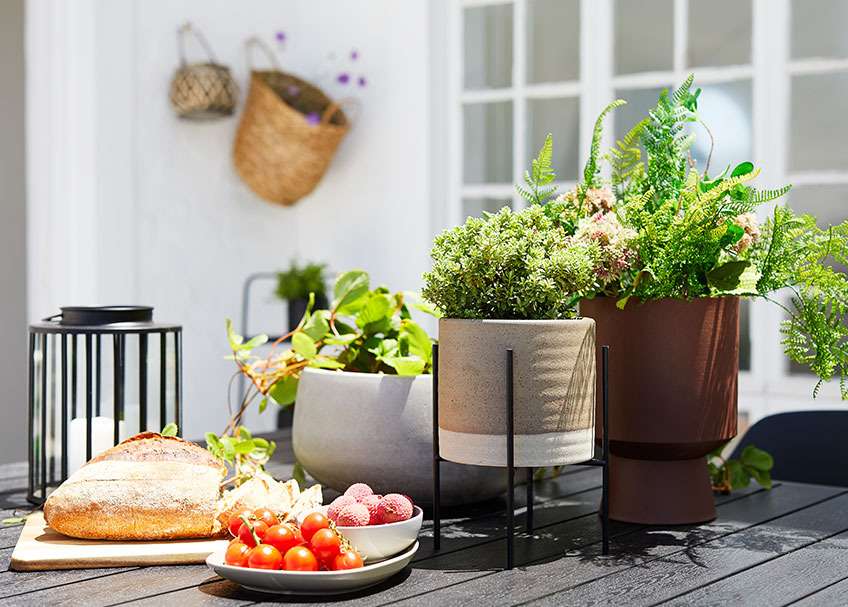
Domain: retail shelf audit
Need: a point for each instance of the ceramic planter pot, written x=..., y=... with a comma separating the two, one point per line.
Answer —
x=378, y=429
x=554, y=390
x=674, y=370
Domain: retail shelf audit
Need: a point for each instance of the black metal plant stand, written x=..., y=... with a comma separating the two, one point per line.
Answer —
x=510, y=461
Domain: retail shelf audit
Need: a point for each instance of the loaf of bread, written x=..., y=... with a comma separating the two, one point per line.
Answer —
x=149, y=487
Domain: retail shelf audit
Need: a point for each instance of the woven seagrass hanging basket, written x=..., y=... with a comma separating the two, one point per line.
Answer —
x=288, y=134
x=201, y=91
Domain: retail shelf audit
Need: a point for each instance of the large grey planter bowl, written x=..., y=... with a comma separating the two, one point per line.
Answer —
x=554, y=390
x=377, y=429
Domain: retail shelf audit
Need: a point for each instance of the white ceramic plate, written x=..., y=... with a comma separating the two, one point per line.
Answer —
x=311, y=582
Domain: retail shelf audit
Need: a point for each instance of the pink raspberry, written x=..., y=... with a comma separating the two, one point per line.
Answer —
x=353, y=515
x=358, y=491
x=337, y=505
x=371, y=502
x=394, y=507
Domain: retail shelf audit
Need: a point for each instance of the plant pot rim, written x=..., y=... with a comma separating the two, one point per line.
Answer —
x=515, y=321
x=352, y=374
x=639, y=300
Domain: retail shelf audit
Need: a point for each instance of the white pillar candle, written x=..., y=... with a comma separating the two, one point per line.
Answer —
x=102, y=437
x=129, y=427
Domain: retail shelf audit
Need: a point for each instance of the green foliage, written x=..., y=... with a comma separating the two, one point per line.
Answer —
x=298, y=282
x=170, y=430
x=247, y=455
x=509, y=266
x=753, y=463
x=591, y=171
x=625, y=160
x=539, y=186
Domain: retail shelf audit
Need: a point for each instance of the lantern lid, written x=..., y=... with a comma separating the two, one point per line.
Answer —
x=104, y=315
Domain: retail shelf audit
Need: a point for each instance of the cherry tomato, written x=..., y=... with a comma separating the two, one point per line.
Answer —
x=266, y=516
x=312, y=523
x=300, y=558
x=237, y=554
x=346, y=559
x=246, y=536
x=325, y=544
x=235, y=522
x=299, y=536
x=282, y=537
x=264, y=556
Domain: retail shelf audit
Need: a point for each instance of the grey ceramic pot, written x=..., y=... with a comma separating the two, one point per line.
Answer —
x=554, y=390
x=378, y=429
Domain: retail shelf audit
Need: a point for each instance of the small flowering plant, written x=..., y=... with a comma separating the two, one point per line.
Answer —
x=664, y=228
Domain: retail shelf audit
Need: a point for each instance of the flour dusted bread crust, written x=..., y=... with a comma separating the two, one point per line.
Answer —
x=149, y=487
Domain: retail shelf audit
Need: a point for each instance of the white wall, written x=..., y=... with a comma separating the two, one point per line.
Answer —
x=171, y=225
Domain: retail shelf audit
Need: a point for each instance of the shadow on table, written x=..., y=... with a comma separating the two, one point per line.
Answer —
x=14, y=499
x=221, y=588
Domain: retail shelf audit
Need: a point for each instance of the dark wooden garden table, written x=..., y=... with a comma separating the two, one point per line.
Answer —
x=768, y=548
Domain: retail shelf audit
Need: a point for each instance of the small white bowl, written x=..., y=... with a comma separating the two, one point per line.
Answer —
x=377, y=542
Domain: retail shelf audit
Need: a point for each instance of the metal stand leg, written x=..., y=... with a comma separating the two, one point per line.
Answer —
x=510, y=465
x=529, y=500
x=437, y=460
x=605, y=439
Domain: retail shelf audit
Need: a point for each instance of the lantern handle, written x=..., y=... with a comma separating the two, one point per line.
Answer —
x=52, y=318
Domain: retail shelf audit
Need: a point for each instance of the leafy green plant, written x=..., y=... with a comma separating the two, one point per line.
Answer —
x=509, y=266
x=667, y=229
x=726, y=474
x=539, y=186
x=299, y=281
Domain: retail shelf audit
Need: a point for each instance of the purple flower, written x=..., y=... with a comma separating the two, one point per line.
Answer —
x=280, y=36
x=362, y=81
x=313, y=118
x=293, y=90
x=354, y=55
x=343, y=78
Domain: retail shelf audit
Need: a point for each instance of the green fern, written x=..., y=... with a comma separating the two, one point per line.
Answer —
x=591, y=170
x=625, y=159
x=538, y=184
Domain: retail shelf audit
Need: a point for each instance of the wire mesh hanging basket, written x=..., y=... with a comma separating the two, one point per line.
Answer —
x=201, y=91
x=288, y=134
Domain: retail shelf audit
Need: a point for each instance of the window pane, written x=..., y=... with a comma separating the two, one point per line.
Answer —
x=474, y=207
x=719, y=33
x=726, y=109
x=639, y=101
x=553, y=40
x=644, y=35
x=561, y=118
x=488, y=142
x=488, y=47
x=818, y=127
x=818, y=28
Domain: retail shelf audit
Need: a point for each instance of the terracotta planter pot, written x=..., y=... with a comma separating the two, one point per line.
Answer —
x=378, y=429
x=674, y=370
x=554, y=390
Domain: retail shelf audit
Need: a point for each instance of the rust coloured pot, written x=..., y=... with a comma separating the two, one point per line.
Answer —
x=674, y=370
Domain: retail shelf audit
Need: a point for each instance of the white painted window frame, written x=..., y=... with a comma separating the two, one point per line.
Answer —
x=768, y=387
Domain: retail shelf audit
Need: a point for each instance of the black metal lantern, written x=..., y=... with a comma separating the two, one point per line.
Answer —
x=97, y=375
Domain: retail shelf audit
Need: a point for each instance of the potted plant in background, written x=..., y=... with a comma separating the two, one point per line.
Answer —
x=294, y=286
x=507, y=281
x=680, y=247
x=360, y=371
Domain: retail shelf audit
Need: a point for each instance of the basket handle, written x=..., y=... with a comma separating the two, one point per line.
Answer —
x=188, y=29
x=335, y=106
x=253, y=41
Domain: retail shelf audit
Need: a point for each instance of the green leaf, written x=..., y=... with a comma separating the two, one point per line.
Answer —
x=756, y=458
x=228, y=448
x=726, y=277
x=323, y=362
x=262, y=404
x=284, y=390
x=406, y=365
x=731, y=235
x=304, y=345
x=317, y=326
x=419, y=341
x=377, y=308
x=419, y=304
x=739, y=479
x=244, y=433
x=742, y=169
x=761, y=476
x=717, y=451
x=213, y=444
x=350, y=291
x=341, y=340
x=235, y=339
x=14, y=520
x=255, y=341
x=298, y=474
x=169, y=430
x=260, y=443
x=243, y=447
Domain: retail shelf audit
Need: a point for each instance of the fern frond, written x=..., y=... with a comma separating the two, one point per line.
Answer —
x=591, y=169
x=537, y=183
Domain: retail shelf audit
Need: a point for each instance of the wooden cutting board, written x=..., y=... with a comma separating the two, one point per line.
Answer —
x=41, y=548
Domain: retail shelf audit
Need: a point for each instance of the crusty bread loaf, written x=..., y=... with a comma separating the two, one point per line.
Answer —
x=149, y=487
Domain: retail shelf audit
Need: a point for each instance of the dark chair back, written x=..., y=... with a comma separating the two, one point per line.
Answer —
x=807, y=446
